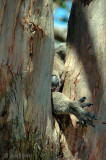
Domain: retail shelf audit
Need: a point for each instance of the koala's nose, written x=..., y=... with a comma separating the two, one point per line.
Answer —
x=55, y=81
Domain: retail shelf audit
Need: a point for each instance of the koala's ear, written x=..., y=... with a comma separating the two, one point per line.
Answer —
x=61, y=51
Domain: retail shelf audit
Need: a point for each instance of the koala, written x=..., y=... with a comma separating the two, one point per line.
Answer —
x=60, y=103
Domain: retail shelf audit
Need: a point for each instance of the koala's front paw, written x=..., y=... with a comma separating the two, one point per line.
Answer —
x=85, y=117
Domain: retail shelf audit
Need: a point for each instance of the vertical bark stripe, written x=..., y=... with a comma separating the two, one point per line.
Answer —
x=30, y=11
x=75, y=84
x=2, y=14
x=15, y=22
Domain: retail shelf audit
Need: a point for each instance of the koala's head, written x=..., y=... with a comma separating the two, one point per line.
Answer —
x=58, y=73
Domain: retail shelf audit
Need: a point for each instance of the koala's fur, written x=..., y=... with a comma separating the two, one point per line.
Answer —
x=61, y=104
x=59, y=63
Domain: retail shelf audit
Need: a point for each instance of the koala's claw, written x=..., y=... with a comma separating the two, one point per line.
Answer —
x=82, y=99
x=92, y=116
x=86, y=105
x=84, y=123
x=85, y=117
x=87, y=122
x=90, y=123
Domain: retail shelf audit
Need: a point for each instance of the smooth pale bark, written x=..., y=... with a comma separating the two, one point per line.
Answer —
x=86, y=76
x=26, y=59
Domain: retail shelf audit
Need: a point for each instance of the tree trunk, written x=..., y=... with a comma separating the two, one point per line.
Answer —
x=86, y=76
x=26, y=59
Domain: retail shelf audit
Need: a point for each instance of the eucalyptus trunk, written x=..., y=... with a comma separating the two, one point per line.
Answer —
x=26, y=59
